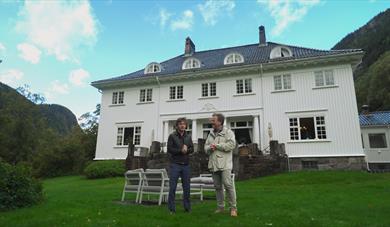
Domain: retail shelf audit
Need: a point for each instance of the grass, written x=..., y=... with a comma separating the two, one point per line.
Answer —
x=326, y=198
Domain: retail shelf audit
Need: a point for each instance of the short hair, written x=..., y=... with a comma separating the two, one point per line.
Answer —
x=179, y=120
x=220, y=117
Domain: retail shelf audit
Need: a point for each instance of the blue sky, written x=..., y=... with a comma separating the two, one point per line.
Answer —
x=59, y=47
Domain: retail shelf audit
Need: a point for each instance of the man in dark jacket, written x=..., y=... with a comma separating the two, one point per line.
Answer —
x=179, y=147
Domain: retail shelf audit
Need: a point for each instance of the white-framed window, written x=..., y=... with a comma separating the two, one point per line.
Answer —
x=118, y=97
x=281, y=52
x=233, y=58
x=377, y=140
x=244, y=86
x=243, y=131
x=282, y=82
x=191, y=63
x=153, y=67
x=324, y=78
x=209, y=89
x=307, y=128
x=126, y=134
x=145, y=95
x=176, y=92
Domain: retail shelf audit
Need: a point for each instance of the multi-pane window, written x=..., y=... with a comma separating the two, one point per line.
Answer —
x=307, y=128
x=152, y=68
x=294, y=129
x=282, y=82
x=320, y=124
x=233, y=59
x=119, y=137
x=209, y=89
x=117, y=97
x=145, y=95
x=191, y=63
x=324, y=78
x=377, y=140
x=137, y=135
x=244, y=86
x=176, y=92
x=127, y=134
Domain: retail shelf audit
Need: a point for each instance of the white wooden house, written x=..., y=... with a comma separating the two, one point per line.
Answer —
x=299, y=96
x=375, y=128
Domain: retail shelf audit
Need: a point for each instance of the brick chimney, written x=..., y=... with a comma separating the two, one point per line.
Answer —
x=262, y=39
x=189, y=47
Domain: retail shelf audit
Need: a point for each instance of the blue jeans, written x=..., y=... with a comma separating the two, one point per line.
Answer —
x=176, y=171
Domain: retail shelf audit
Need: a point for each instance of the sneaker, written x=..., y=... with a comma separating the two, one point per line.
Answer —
x=233, y=212
x=172, y=212
x=219, y=210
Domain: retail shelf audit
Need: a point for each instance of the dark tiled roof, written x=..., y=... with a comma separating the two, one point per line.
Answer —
x=214, y=59
x=375, y=118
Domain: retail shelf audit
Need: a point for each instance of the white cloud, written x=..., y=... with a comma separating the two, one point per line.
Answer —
x=56, y=87
x=287, y=12
x=164, y=16
x=29, y=52
x=77, y=77
x=59, y=28
x=11, y=76
x=212, y=9
x=185, y=22
x=2, y=49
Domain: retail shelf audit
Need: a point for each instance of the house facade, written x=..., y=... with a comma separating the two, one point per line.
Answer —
x=375, y=129
x=299, y=96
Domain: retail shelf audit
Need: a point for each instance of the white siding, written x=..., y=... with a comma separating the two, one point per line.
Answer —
x=338, y=105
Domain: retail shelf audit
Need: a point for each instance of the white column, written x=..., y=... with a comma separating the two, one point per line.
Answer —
x=194, y=131
x=256, y=131
x=166, y=134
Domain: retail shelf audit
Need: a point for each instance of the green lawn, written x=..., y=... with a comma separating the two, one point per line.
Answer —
x=292, y=199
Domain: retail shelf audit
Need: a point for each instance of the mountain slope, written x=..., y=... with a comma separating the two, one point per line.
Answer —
x=372, y=74
x=57, y=117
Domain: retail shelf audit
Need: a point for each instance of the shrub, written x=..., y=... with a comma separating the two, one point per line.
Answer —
x=17, y=187
x=103, y=169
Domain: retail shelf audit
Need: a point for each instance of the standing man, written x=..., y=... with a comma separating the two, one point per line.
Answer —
x=179, y=147
x=219, y=145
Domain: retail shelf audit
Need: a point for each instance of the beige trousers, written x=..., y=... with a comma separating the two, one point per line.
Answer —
x=222, y=179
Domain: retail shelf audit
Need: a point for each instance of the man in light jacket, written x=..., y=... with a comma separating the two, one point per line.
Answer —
x=220, y=144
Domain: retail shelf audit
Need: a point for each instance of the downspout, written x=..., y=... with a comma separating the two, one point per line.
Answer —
x=158, y=106
x=262, y=100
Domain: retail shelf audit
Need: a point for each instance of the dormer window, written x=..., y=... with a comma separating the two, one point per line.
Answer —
x=233, y=58
x=153, y=67
x=280, y=52
x=191, y=63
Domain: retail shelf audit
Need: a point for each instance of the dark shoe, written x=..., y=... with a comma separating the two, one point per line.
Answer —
x=187, y=211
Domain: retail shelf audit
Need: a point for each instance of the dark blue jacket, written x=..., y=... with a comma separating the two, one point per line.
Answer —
x=175, y=144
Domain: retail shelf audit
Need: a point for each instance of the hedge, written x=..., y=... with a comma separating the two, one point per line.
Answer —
x=104, y=169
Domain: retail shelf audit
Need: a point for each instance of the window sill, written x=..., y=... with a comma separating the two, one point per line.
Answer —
x=309, y=141
x=125, y=146
x=176, y=100
x=112, y=105
x=326, y=86
x=244, y=94
x=142, y=103
x=285, y=90
x=208, y=97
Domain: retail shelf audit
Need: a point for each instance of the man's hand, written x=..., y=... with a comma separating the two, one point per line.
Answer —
x=184, y=149
x=213, y=147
